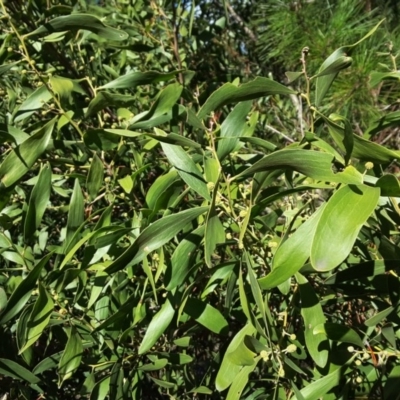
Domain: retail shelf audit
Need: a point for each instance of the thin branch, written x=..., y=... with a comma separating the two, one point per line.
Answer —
x=241, y=23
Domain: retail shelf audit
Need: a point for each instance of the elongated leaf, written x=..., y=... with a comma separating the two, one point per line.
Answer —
x=23, y=291
x=21, y=159
x=38, y=319
x=293, y=253
x=13, y=370
x=330, y=68
x=378, y=125
x=389, y=185
x=75, y=215
x=75, y=22
x=364, y=270
x=363, y=148
x=186, y=168
x=95, y=177
x=133, y=79
x=234, y=126
x=311, y=311
x=153, y=237
x=206, y=315
x=182, y=257
x=105, y=99
x=165, y=101
x=341, y=220
x=315, y=164
x=229, y=93
x=158, y=325
x=38, y=202
x=71, y=358
x=316, y=390
x=339, y=333
x=240, y=382
x=348, y=137
x=228, y=370
x=378, y=77
x=33, y=102
x=6, y=67
x=101, y=389
x=154, y=197
x=173, y=138
x=379, y=317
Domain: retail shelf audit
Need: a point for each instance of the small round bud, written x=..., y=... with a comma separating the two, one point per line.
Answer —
x=350, y=349
x=359, y=379
x=357, y=362
x=281, y=372
x=293, y=336
x=264, y=354
x=229, y=236
x=369, y=165
x=291, y=348
x=210, y=186
x=242, y=213
x=10, y=49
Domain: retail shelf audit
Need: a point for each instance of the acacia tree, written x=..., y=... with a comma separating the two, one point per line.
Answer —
x=155, y=244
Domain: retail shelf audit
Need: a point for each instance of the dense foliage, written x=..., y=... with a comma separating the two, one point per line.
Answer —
x=174, y=226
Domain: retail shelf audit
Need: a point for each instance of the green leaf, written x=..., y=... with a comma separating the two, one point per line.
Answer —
x=389, y=185
x=348, y=137
x=292, y=253
x=95, y=177
x=186, y=168
x=158, y=113
x=379, y=317
x=232, y=128
x=314, y=164
x=75, y=215
x=341, y=220
x=154, y=196
x=311, y=311
x=363, y=270
x=206, y=315
x=158, y=325
x=75, y=22
x=378, y=125
x=173, y=138
x=38, y=202
x=33, y=102
x=378, y=77
x=71, y=358
x=6, y=67
x=24, y=156
x=153, y=237
x=317, y=389
x=64, y=87
x=229, y=93
x=214, y=232
x=228, y=370
x=181, y=260
x=156, y=366
x=363, y=148
x=23, y=291
x=3, y=300
x=133, y=79
x=13, y=370
x=101, y=389
x=293, y=76
x=105, y=99
x=339, y=333
x=330, y=68
x=38, y=319
x=240, y=382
